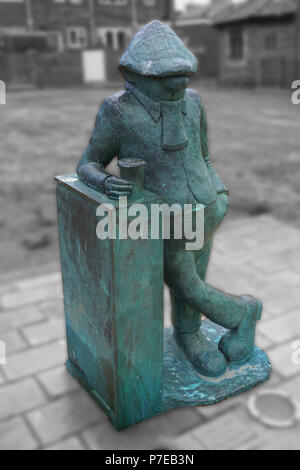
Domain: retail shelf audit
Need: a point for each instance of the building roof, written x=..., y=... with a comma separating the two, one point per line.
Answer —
x=206, y=13
x=256, y=10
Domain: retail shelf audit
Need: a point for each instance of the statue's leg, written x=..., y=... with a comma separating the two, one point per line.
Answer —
x=187, y=321
x=187, y=286
x=186, y=318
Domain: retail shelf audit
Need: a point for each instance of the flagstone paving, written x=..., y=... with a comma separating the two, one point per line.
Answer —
x=42, y=407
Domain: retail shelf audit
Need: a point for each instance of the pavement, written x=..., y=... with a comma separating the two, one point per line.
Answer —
x=42, y=407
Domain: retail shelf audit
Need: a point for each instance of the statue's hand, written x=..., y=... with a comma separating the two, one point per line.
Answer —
x=116, y=187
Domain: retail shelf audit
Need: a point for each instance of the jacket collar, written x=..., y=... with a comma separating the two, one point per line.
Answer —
x=153, y=107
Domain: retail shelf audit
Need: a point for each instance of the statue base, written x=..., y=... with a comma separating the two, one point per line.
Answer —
x=184, y=387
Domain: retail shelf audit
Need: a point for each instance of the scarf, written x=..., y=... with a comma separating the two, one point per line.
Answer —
x=173, y=131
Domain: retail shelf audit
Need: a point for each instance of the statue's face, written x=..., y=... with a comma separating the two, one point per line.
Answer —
x=169, y=88
x=177, y=83
x=163, y=88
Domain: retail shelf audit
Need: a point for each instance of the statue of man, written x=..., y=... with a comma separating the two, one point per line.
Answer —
x=159, y=120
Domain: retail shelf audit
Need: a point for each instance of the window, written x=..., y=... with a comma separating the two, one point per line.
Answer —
x=74, y=2
x=271, y=42
x=77, y=37
x=109, y=40
x=114, y=37
x=113, y=2
x=121, y=40
x=236, y=45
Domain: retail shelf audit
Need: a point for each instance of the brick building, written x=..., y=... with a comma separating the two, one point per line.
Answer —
x=260, y=43
x=46, y=42
x=78, y=24
x=195, y=27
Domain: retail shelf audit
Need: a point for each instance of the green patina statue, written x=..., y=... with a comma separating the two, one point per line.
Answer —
x=157, y=118
x=118, y=348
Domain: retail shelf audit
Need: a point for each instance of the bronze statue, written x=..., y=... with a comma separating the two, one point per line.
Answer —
x=159, y=120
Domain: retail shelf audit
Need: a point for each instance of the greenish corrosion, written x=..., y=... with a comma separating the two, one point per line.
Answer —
x=117, y=348
x=114, y=288
x=114, y=315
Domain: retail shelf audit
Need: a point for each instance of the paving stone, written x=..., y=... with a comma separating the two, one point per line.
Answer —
x=224, y=433
x=235, y=404
x=282, y=328
x=39, y=281
x=171, y=423
x=260, y=433
x=281, y=359
x=18, y=318
x=28, y=273
x=228, y=280
x=287, y=439
x=293, y=258
x=20, y=397
x=233, y=259
x=152, y=432
x=105, y=437
x=262, y=342
x=270, y=264
x=287, y=240
x=65, y=416
x=31, y=296
x=35, y=360
x=209, y=412
x=7, y=289
x=266, y=315
x=52, y=308
x=14, y=435
x=58, y=382
x=269, y=229
x=45, y=332
x=273, y=381
x=278, y=303
x=13, y=341
x=286, y=278
x=183, y=442
x=72, y=443
x=292, y=387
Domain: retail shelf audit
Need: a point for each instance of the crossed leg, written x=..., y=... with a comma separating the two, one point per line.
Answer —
x=185, y=273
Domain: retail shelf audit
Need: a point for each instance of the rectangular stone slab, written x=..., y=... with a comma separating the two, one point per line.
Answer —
x=113, y=298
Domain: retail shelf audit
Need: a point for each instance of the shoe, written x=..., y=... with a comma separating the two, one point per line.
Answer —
x=237, y=345
x=206, y=358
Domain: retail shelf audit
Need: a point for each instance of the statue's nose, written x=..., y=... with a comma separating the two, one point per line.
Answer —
x=179, y=83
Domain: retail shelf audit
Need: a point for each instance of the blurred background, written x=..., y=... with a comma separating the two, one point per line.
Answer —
x=58, y=59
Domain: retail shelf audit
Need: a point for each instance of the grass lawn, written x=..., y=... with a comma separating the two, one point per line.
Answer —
x=255, y=146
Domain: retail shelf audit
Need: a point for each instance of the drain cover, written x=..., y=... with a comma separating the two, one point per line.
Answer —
x=274, y=408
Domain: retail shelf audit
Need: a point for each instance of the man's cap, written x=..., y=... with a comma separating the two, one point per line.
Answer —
x=157, y=51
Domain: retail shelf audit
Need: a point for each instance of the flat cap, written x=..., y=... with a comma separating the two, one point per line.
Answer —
x=157, y=51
